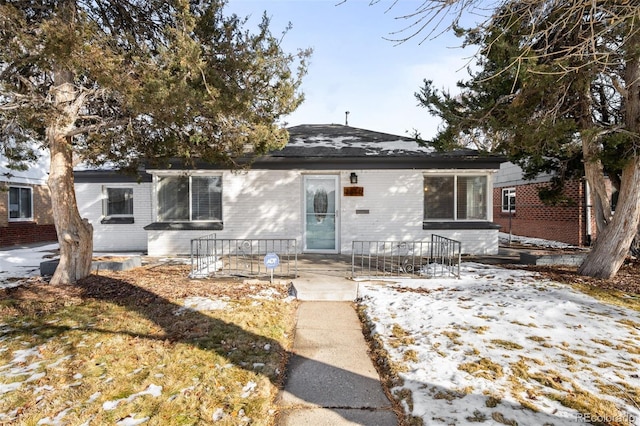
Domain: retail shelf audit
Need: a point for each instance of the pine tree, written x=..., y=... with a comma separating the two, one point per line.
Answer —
x=558, y=90
x=121, y=82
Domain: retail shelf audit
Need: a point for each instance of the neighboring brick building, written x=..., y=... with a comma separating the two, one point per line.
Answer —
x=518, y=209
x=25, y=207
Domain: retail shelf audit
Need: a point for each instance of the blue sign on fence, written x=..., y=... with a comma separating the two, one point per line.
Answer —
x=271, y=260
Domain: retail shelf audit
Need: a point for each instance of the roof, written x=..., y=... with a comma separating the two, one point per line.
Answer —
x=336, y=140
x=336, y=146
x=339, y=147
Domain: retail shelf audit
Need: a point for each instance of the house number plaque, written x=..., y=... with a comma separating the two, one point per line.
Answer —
x=353, y=191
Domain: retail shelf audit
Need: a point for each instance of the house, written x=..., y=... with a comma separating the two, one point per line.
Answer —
x=331, y=185
x=519, y=210
x=25, y=205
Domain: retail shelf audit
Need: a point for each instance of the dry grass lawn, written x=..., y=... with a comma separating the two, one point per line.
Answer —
x=143, y=346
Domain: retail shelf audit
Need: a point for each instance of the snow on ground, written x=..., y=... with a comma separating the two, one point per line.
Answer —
x=479, y=347
x=18, y=263
x=475, y=349
x=531, y=241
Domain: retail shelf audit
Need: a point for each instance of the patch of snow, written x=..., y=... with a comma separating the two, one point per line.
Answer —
x=45, y=388
x=267, y=293
x=248, y=389
x=60, y=361
x=56, y=421
x=176, y=260
x=198, y=303
x=209, y=268
x=531, y=241
x=17, y=263
x=320, y=141
x=512, y=319
x=21, y=365
x=218, y=415
x=35, y=377
x=152, y=390
x=9, y=387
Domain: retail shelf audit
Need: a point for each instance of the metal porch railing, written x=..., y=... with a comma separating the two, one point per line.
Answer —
x=439, y=257
x=242, y=257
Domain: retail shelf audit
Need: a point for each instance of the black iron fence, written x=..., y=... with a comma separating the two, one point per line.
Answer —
x=439, y=257
x=243, y=257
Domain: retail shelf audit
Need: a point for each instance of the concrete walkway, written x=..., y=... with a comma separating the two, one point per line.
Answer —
x=325, y=277
x=331, y=379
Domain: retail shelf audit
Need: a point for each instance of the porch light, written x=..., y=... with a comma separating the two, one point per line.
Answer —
x=353, y=178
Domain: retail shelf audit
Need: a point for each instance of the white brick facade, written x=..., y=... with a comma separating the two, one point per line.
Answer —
x=269, y=204
x=116, y=237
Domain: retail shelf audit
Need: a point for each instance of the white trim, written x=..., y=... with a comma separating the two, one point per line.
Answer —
x=488, y=196
x=512, y=190
x=449, y=172
x=20, y=219
x=162, y=174
x=105, y=199
x=337, y=238
x=159, y=172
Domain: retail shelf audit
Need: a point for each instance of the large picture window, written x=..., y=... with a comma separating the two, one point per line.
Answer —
x=189, y=198
x=455, y=197
x=20, y=203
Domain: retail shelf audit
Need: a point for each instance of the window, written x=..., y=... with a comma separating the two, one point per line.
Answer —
x=20, y=203
x=189, y=198
x=455, y=197
x=508, y=200
x=118, y=202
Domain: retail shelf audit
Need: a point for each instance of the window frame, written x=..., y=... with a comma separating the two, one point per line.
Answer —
x=31, y=209
x=190, y=177
x=511, y=193
x=105, y=202
x=455, y=217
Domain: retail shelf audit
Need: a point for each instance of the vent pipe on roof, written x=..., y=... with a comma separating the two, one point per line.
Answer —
x=346, y=118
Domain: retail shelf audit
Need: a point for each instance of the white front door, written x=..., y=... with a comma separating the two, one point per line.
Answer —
x=320, y=213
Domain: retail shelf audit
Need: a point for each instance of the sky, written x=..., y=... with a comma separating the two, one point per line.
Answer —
x=354, y=68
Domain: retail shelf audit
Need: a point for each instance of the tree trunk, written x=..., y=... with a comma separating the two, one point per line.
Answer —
x=613, y=243
x=75, y=235
x=594, y=173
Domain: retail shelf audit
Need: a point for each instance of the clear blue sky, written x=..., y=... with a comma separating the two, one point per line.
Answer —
x=353, y=67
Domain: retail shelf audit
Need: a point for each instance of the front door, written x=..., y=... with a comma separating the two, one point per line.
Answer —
x=320, y=214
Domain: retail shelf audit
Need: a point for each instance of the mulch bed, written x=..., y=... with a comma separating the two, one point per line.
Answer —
x=140, y=286
x=626, y=280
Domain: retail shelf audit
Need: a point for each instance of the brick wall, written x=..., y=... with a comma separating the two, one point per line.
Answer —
x=26, y=233
x=40, y=229
x=532, y=218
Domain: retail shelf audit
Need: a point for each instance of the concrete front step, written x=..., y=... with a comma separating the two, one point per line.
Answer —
x=317, y=286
